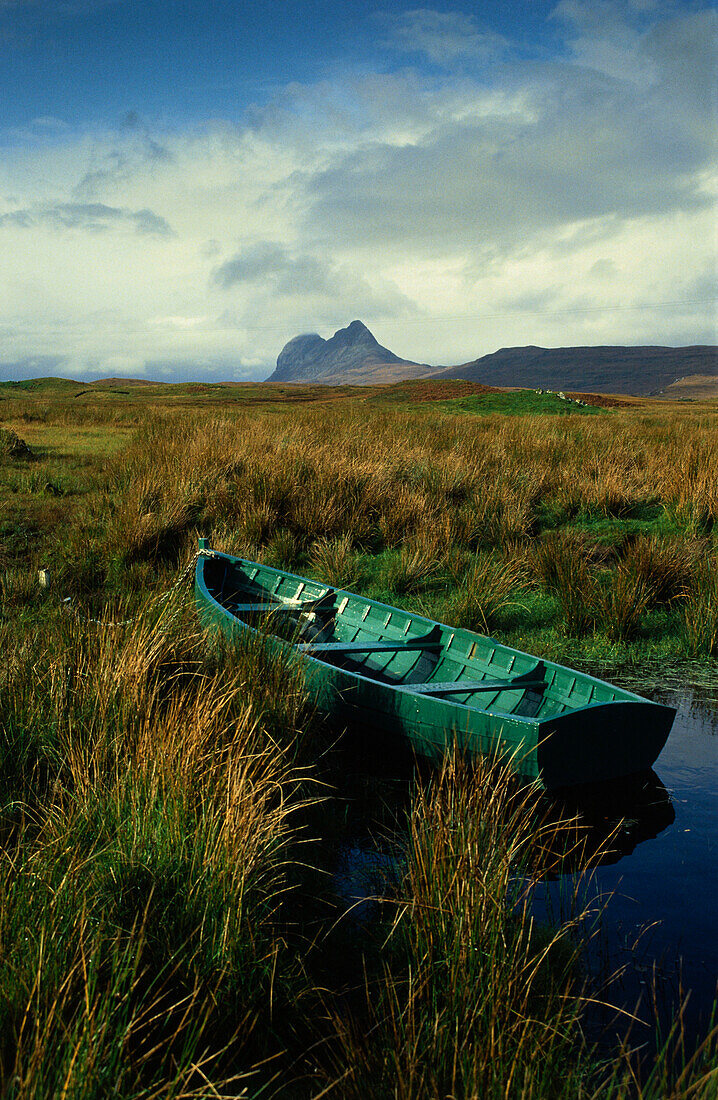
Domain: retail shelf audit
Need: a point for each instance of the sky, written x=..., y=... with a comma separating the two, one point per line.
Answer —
x=185, y=185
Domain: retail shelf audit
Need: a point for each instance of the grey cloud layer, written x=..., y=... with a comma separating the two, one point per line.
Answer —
x=291, y=274
x=590, y=146
x=268, y=270
x=93, y=217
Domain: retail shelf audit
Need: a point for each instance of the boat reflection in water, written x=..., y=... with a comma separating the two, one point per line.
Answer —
x=583, y=827
x=601, y=823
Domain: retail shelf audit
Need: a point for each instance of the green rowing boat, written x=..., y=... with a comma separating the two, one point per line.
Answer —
x=396, y=671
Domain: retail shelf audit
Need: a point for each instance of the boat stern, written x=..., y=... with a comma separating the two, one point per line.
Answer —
x=605, y=741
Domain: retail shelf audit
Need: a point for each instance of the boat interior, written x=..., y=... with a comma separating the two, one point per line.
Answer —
x=396, y=648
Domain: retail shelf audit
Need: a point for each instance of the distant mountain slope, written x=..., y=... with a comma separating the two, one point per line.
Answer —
x=694, y=386
x=635, y=370
x=351, y=355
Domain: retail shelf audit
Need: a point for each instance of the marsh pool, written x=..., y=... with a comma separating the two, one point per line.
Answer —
x=658, y=892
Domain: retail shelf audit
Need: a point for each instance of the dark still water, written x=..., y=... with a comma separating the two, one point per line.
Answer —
x=657, y=894
x=664, y=893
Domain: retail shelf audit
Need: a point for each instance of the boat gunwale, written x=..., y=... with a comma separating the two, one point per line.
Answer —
x=534, y=722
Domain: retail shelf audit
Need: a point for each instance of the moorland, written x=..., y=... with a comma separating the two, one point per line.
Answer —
x=172, y=811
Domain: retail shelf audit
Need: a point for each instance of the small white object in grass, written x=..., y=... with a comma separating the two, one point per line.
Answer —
x=44, y=578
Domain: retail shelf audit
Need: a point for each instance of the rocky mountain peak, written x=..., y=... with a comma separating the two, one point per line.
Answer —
x=308, y=357
x=354, y=333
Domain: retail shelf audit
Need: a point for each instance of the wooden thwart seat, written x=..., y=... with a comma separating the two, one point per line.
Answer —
x=432, y=640
x=532, y=679
x=316, y=604
x=288, y=606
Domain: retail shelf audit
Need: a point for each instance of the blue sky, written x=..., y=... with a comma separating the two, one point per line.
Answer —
x=186, y=185
x=188, y=60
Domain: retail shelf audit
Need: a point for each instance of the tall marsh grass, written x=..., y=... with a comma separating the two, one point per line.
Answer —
x=487, y=587
x=415, y=565
x=329, y=491
x=334, y=560
x=166, y=802
x=386, y=473
x=612, y=589
x=151, y=797
x=662, y=565
x=475, y=999
x=700, y=613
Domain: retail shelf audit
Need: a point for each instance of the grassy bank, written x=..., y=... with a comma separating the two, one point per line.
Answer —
x=171, y=812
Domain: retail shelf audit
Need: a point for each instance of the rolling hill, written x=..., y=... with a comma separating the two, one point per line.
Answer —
x=631, y=370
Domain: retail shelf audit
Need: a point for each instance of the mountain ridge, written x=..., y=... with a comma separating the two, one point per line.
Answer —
x=641, y=370
x=353, y=356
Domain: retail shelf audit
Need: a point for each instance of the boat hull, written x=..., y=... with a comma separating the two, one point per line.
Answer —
x=616, y=733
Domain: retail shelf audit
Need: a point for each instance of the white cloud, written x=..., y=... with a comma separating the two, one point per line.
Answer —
x=605, y=35
x=561, y=203
x=443, y=36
